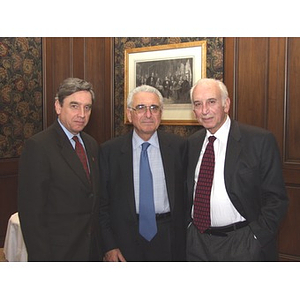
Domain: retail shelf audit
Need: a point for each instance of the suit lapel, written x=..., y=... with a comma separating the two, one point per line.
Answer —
x=70, y=156
x=194, y=149
x=126, y=167
x=168, y=163
x=232, y=152
x=92, y=160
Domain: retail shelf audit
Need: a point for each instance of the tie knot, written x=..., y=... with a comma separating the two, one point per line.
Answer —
x=75, y=138
x=145, y=146
x=212, y=138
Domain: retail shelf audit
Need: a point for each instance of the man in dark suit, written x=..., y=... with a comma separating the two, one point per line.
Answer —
x=57, y=199
x=120, y=213
x=248, y=197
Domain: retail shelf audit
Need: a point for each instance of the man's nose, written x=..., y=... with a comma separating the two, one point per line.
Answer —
x=148, y=112
x=205, y=108
x=81, y=112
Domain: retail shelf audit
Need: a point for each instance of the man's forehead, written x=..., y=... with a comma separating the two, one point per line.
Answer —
x=79, y=97
x=142, y=97
x=206, y=92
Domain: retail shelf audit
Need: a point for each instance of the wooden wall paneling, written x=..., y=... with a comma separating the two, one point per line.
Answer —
x=262, y=76
x=108, y=92
x=291, y=175
x=229, y=72
x=87, y=58
x=78, y=57
x=57, y=65
x=99, y=71
x=276, y=123
x=289, y=238
x=292, y=153
x=289, y=234
x=251, y=79
x=276, y=89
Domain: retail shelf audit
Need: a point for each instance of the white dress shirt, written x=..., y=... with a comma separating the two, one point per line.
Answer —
x=161, y=201
x=222, y=211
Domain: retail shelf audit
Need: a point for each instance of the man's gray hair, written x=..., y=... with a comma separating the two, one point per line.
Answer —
x=207, y=81
x=144, y=88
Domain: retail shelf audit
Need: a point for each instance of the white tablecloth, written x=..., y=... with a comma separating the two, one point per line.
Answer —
x=14, y=246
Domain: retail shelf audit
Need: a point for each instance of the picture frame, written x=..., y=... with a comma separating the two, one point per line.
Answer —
x=173, y=69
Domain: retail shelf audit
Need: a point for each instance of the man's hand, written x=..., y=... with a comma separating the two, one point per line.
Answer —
x=114, y=255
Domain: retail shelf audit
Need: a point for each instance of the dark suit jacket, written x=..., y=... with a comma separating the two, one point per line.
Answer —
x=57, y=205
x=253, y=179
x=119, y=222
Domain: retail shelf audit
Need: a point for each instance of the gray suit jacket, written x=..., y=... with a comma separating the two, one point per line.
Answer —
x=58, y=206
x=119, y=222
x=253, y=179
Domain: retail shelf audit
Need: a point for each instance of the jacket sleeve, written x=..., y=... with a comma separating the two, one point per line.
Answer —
x=107, y=237
x=272, y=201
x=258, y=189
x=33, y=183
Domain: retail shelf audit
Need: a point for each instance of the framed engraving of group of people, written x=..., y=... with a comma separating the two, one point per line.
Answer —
x=172, y=69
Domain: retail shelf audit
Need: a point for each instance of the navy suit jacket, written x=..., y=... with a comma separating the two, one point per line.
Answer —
x=119, y=222
x=253, y=179
x=58, y=207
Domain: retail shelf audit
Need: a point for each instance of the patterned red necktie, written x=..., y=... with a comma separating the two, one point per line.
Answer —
x=82, y=156
x=201, y=217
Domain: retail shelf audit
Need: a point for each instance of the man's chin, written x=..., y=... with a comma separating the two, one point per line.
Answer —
x=78, y=129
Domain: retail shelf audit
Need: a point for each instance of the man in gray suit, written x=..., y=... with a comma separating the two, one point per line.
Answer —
x=248, y=197
x=58, y=196
x=120, y=209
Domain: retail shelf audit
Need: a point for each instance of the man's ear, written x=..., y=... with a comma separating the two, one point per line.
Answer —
x=227, y=105
x=129, y=115
x=57, y=107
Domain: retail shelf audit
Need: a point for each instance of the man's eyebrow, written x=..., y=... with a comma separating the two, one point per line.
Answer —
x=76, y=102
x=212, y=98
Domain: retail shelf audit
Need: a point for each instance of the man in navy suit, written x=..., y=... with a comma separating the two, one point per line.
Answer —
x=120, y=203
x=57, y=199
x=248, y=196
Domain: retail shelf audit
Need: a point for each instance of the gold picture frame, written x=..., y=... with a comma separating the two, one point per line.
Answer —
x=173, y=69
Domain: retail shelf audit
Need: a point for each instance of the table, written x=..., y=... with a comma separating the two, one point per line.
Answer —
x=14, y=246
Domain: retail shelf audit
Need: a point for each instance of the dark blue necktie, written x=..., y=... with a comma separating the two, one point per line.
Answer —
x=147, y=221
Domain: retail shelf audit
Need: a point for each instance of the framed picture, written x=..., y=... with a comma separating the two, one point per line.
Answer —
x=172, y=69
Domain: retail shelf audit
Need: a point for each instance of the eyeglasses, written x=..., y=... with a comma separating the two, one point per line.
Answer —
x=141, y=109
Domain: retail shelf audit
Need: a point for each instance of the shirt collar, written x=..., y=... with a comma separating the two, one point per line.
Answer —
x=137, y=141
x=223, y=131
x=67, y=132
